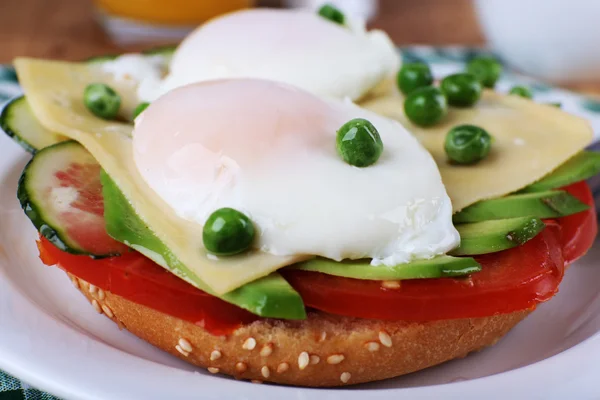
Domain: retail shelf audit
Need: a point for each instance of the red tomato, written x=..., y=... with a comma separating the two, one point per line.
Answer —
x=139, y=279
x=579, y=230
x=511, y=280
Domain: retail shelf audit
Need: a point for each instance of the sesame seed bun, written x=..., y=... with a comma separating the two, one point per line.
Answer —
x=323, y=350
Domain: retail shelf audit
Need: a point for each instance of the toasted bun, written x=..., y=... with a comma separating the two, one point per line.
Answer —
x=324, y=350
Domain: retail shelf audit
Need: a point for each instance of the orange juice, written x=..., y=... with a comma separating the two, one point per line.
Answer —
x=170, y=12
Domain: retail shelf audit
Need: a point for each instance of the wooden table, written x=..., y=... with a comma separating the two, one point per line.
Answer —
x=66, y=29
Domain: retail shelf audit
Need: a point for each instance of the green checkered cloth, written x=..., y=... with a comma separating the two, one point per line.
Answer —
x=14, y=389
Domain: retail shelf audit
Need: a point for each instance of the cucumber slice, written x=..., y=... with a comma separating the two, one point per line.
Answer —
x=549, y=204
x=270, y=297
x=582, y=166
x=60, y=192
x=497, y=235
x=438, y=267
x=18, y=122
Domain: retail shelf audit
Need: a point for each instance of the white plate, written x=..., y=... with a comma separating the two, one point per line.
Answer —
x=53, y=339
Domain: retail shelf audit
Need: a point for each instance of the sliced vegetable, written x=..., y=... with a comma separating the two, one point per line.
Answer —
x=492, y=236
x=18, y=122
x=582, y=166
x=138, y=279
x=270, y=296
x=512, y=280
x=59, y=191
x=358, y=143
x=578, y=231
x=139, y=109
x=438, y=267
x=549, y=204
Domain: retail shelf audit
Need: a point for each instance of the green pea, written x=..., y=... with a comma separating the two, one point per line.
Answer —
x=461, y=90
x=332, y=13
x=486, y=69
x=359, y=143
x=521, y=91
x=413, y=76
x=227, y=232
x=467, y=144
x=102, y=100
x=426, y=106
x=139, y=109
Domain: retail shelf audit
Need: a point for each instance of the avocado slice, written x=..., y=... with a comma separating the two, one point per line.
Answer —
x=496, y=235
x=270, y=297
x=438, y=267
x=582, y=166
x=548, y=204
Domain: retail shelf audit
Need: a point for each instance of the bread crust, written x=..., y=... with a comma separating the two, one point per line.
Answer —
x=323, y=350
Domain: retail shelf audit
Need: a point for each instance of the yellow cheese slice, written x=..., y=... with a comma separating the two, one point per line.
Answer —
x=55, y=93
x=530, y=141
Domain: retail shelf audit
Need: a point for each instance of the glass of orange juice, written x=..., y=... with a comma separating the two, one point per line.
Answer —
x=128, y=21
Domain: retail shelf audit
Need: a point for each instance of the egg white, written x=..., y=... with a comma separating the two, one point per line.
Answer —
x=268, y=150
x=295, y=47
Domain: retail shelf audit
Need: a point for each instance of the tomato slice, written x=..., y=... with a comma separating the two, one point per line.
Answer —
x=579, y=230
x=512, y=280
x=139, y=279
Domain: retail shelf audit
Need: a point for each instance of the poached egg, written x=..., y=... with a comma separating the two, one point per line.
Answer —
x=268, y=150
x=295, y=47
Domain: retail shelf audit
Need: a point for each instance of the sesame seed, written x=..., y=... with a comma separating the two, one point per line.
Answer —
x=101, y=294
x=256, y=381
x=345, y=377
x=93, y=289
x=107, y=311
x=213, y=370
x=385, y=339
x=335, y=359
x=96, y=306
x=215, y=355
x=314, y=359
x=241, y=367
x=303, y=360
x=249, y=344
x=182, y=351
x=283, y=367
x=186, y=345
x=323, y=336
x=265, y=371
x=266, y=350
x=390, y=284
x=75, y=282
x=372, y=346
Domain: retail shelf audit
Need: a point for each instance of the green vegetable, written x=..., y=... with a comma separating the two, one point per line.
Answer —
x=486, y=69
x=521, y=91
x=102, y=100
x=139, y=109
x=555, y=104
x=332, y=13
x=359, y=143
x=413, y=76
x=425, y=106
x=461, y=90
x=227, y=232
x=467, y=144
